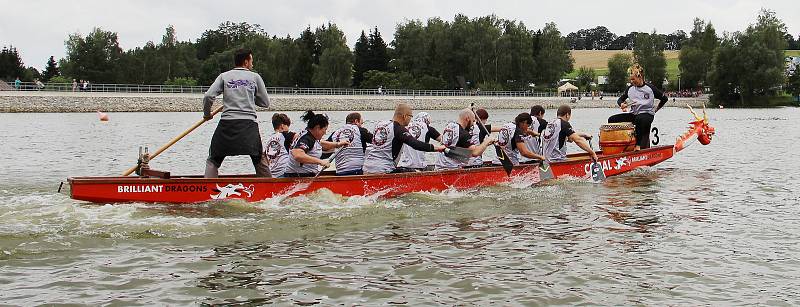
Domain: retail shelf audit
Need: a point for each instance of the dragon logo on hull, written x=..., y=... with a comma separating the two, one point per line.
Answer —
x=233, y=191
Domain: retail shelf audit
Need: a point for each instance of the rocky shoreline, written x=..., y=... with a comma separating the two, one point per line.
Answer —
x=58, y=102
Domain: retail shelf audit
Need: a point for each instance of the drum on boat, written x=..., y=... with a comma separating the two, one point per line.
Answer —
x=617, y=138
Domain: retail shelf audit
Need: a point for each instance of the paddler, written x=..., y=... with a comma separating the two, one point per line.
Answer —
x=421, y=129
x=643, y=108
x=511, y=142
x=455, y=134
x=279, y=144
x=389, y=136
x=477, y=135
x=558, y=132
x=533, y=138
x=304, y=158
x=237, y=132
x=350, y=159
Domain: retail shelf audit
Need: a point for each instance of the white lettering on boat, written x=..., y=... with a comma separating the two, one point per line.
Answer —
x=154, y=188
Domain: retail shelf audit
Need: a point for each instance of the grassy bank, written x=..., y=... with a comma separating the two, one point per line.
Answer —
x=598, y=59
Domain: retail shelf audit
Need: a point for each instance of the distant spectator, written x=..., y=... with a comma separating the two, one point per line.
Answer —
x=17, y=84
x=74, y=85
x=39, y=84
x=84, y=85
x=380, y=90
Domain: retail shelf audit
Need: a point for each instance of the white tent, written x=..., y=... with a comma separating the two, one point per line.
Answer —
x=566, y=88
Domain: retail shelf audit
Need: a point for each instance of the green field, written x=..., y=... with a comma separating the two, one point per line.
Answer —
x=596, y=58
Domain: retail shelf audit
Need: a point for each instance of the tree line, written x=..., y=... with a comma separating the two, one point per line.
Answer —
x=483, y=52
x=486, y=53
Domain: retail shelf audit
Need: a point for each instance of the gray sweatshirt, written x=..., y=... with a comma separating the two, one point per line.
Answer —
x=241, y=91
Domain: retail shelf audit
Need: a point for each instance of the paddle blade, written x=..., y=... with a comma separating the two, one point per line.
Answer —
x=545, y=172
x=459, y=154
x=598, y=174
x=501, y=155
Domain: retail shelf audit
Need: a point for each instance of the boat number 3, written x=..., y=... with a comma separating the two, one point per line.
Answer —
x=655, y=136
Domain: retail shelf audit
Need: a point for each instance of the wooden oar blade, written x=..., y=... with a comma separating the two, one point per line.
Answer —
x=459, y=154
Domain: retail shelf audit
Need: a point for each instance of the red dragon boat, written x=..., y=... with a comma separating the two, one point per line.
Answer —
x=194, y=189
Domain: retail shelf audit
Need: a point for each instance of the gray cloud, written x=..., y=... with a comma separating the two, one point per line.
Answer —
x=38, y=28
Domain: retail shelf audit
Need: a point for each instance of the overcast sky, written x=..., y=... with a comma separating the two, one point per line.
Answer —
x=38, y=28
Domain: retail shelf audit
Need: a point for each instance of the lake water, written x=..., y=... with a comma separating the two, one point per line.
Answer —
x=715, y=225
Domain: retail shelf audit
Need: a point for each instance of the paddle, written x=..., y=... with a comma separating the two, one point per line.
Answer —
x=459, y=154
x=501, y=155
x=598, y=173
x=175, y=140
x=330, y=160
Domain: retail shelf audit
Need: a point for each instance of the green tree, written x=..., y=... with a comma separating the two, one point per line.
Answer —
x=308, y=56
x=11, y=65
x=649, y=53
x=618, y=72
x=793, y=83
x=51, y=69
x=696, y=55
x=749, y=65
x=362, y=59
x=516, y=64
x=552, y=59
x=335, y=68
x=378, y=53
x=585, y=77
x=94, y=57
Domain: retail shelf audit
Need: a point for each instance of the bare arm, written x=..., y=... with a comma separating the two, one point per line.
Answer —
x=477, y=150
x=583, y=144
x=328, y=146
x=525, y=152
x=301, y=156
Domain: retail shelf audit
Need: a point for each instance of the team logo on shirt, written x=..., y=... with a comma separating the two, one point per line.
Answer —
x=273, y=149
x=345, y=135
x=381, y=136
x=415, y=130
x=448, y=136
x=549, y=131
x=504, y=138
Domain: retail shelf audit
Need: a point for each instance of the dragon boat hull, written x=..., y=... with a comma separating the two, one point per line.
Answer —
x=194, y=189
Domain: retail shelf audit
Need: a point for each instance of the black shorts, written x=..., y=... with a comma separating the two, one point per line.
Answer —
x=234, y=138
x=642, y=123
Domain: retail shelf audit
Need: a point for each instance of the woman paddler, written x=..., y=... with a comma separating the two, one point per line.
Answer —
x=643, y=109
x=304, y=158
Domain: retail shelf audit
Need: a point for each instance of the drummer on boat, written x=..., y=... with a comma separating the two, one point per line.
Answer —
x=643, y=109
x=350, y=159
x=389, y=136
x=558, y=132
x=511, y=142
x=456, y=135
x=421, y=129
x=237, y=132
x=279, y=144
x=304, y=158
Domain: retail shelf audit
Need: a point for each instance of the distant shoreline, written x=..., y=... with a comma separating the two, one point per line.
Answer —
x=81, y=102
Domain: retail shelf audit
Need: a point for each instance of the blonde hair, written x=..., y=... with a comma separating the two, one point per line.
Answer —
x=636, y=70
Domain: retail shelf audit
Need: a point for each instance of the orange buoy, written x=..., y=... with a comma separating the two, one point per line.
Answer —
x=617, y=138
x=103, y=116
